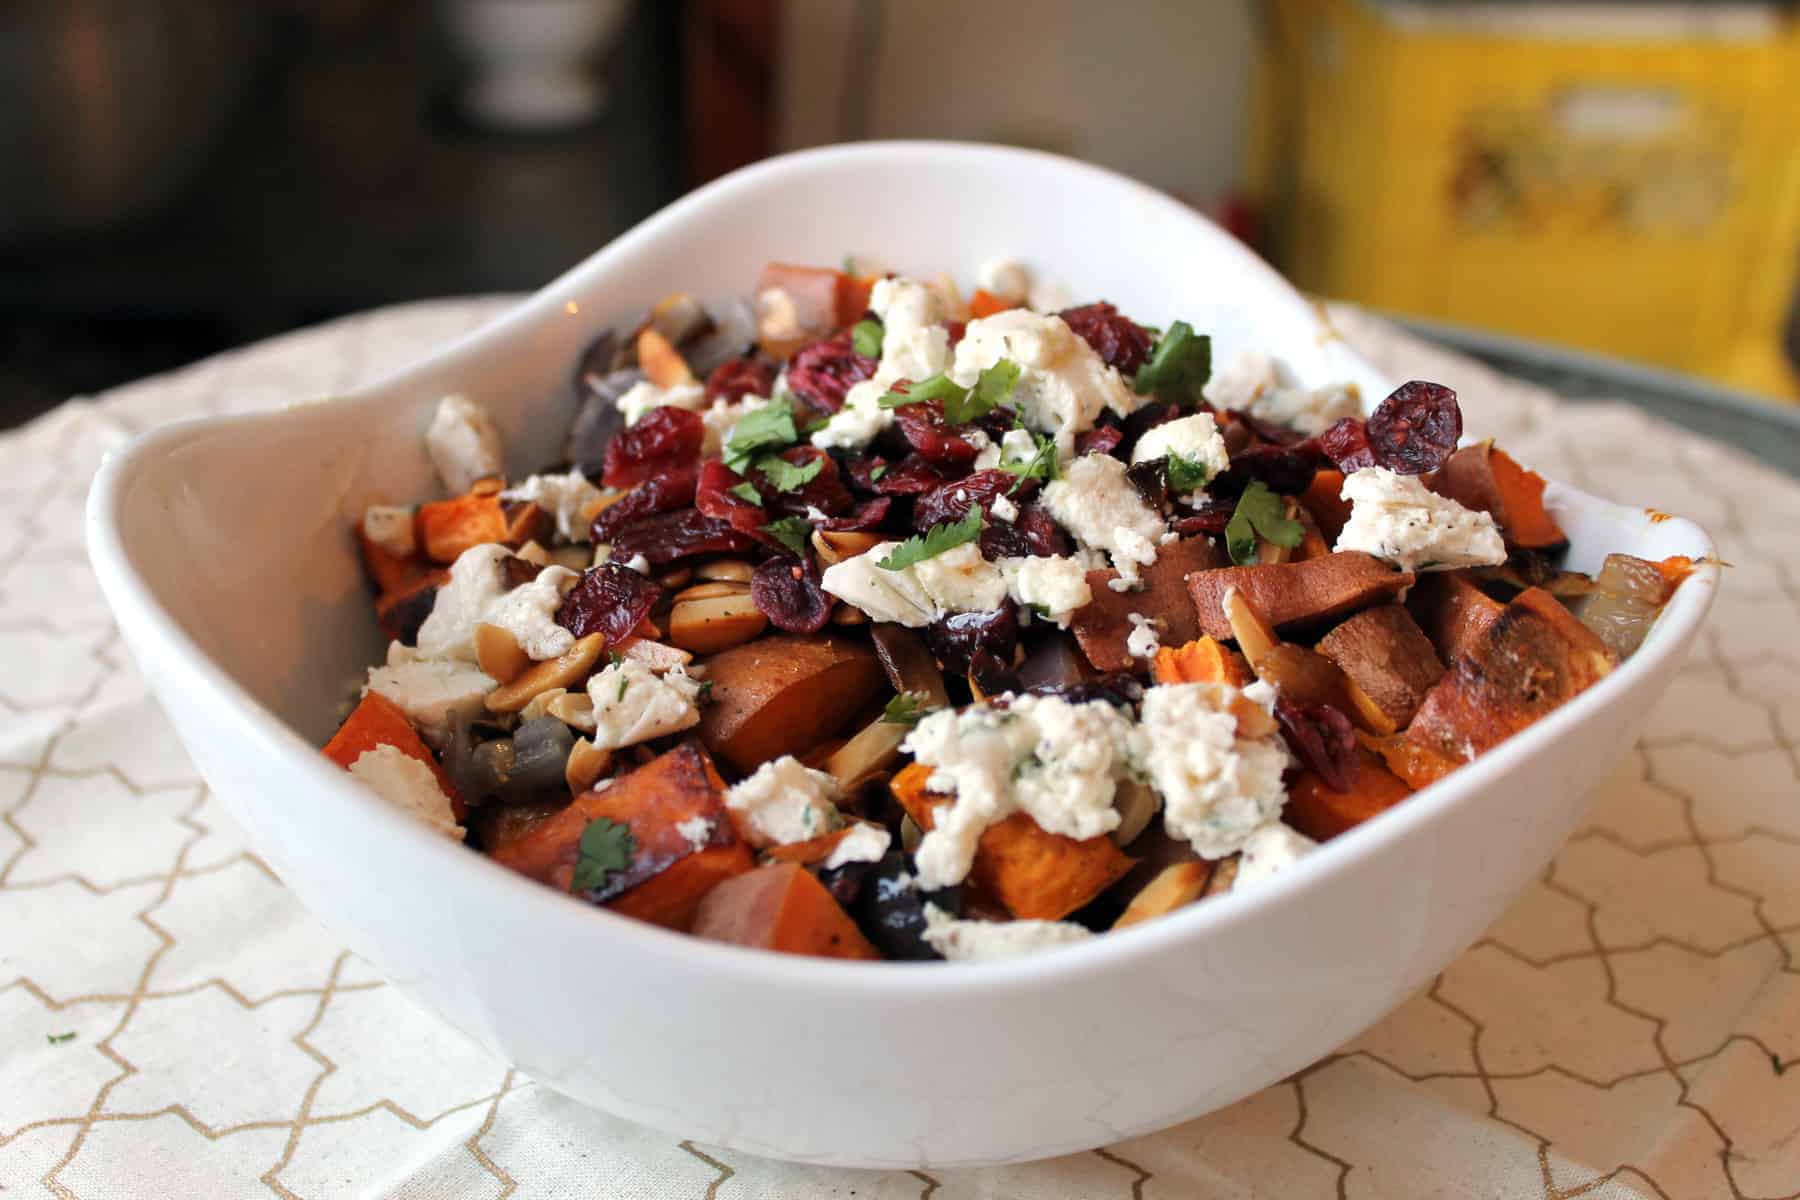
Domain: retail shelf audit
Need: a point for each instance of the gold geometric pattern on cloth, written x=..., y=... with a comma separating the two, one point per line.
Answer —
x=1624, y=1030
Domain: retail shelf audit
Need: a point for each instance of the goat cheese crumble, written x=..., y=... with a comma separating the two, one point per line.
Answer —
x=1054, y=586
x=1269, y=850
x=914, y=345
x=1218, y=787
x=785, y=802
x=1145, y=638
x=862, y=842
x=643, y=396
x=697, y=830
x=633, y=704
x=437, y=696
x=391, y=528
x=463, y=443
x=1095, y=501
x=1396, y=518
x=1005, y=278
x=565, y=497
x=986, y=941
x=1196, y=438
x=1260, y=385
x=528, y=612
x=1063, y=385
x=409, y=785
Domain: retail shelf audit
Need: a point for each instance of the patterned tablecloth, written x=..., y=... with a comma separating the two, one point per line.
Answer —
x=172, y=1024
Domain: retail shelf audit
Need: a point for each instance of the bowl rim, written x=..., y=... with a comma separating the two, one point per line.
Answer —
x=161, y=637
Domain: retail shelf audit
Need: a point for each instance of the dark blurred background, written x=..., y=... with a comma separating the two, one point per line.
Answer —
x=181, y=176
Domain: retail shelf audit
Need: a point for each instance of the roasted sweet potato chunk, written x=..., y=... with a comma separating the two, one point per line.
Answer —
x=1329, y=509
x=1104, y=625
x=785, y=695
x=1534, y=657
x=448, y=527
x=781, y=907
x=1033, y=873
x=1202, y=660
x=1388, y=657
x=1452, y=611
x=1486, y=478
x=1321, y=813
x=1293, y=595
x=378, y=721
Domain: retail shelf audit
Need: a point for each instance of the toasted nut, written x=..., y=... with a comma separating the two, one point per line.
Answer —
x=540, y=704
x=871, y=751
x=531, y=552
x=1175, y=885
x=1224, y=874
x=574, y=709
x=848, y=614
x=709, y=626
x=573, y=557
x=487, y=485
x=602, y=553
x=564, y=671
x=497, y=653
x=1252, y=721
x=910, y=834
x=712, y=590
x=729, y=569
x=678, y=578
x=658, y=656
x=586, y=764
x=834, y=546
x=661, y=361
x=599, y=504
x=1254, y=637
x=1137, y=805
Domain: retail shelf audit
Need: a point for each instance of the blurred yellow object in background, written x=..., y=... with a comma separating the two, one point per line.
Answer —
x=1624, y=178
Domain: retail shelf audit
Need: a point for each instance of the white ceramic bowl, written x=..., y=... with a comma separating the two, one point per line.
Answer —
x=224, y=548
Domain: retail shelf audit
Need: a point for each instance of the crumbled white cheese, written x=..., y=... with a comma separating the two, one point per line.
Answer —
x=1006, y=278
x=1097, y=503
x=565, y=497
x=1195, y=438
x=785, y=802
x=1016, y=446
x=463, y=443
x=407, y=784
x=958, y=580
x=643, y=396
x=1049, y=296
x=914, y=345
x=1261, y=385
x=436, y=696
x=391, y=528
x=1396, y=518
x=528, y=612
x=1002, y=509
x=476, y=582
x=722, y=421
x=399, y=654
x=864, y=842
x=633, y=704
x=1063, y=385
x=1057, y=761
x=986, y=941
x=1145, y=638
x=698, y=831
x=1245, y=376
x=1054, y=586
x=1271, y=849
x=1217, y=787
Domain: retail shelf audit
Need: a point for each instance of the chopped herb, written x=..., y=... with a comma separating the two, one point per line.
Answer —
x=908, y=708
x=1178, y=367
x=877, y=471
x=614, y=658
x=785, y=476
x=1041, y=464
x=705, y=692
x=993, y=387
x=1259, y=512
x=606, y=846
x=747, y=491
x=865, y=338
x=934, y=542
x=624, y=682
x=767, y=428
x=812, y=427
x=849, y=264
x=791, y=532
x=932, y=387
x=1186, y=474
x=57, y=1039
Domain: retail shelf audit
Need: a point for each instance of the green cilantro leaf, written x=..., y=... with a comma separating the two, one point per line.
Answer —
x=606, y=846
x=907, y=708
x=785, y=476
x=747, y=491
x=993, y=387
x=866, y=336
x=792, y=532
x=767, y=428
x=934, y=542
x=1186, y=474
x=1041, y=465
x=1259, y=512
x=932, y=387
x=624, y=682
x=614, y=658
x=57, y=1039
x=812, y=427
x=877, y=471
x=1178, y=367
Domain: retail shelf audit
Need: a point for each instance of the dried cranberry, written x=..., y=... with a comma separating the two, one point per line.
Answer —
x=1041, y=531
x=660, y=493
x=1211, y=518
x=955, y=331
x=1416, y=428
x=1285, y=470
x=788, y=593
x=1346, y=443
x=1118, y=340
x=867, y=515
x=610, y=599
x=935, y=439
x=823, y=372
x=1322, y=739
x=992, y=674
x=952, y=501
x=1102, y=439
x=1151, y=479
x=910, y=476
x=662, y=439
x=1120, y=688
x=959, y=638
x=824, y=491
x=666, y=537
x=714, y=498
x=736, y=378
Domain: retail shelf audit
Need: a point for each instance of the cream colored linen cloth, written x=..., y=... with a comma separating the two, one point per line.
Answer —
x=173, y=1024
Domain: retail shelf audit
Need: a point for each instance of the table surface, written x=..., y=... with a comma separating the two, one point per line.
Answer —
x=172, y=1023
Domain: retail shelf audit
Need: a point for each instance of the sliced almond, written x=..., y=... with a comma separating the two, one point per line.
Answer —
x=586, y=765
x=834, y=546
x=487, y=485
x=1224, y=874
x=539, y=706
x=728, y=569
x=565, y=671
x=1252, y=721
x=709, y=626
x=498, y=653
x=1254, y=636
x=574, y=558
x=712, y=590
x=677, y=578
x=1137, y=805
x=574, y=709
x=872, y=751
x=848, y=614
x=658, y=656
x=661, y=361
x=532, y=552
x=1175, y=885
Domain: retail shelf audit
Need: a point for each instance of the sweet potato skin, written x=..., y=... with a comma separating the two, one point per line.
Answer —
x=1033, y=873
x=785, y=695
x=781, y=907
x=1452, y=611
x=1321, y=813
x=378, y=721
x=1296, y=594
x=1485, y=477
x=1104, y=625
x=1387, y=656
x=1322, y=499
